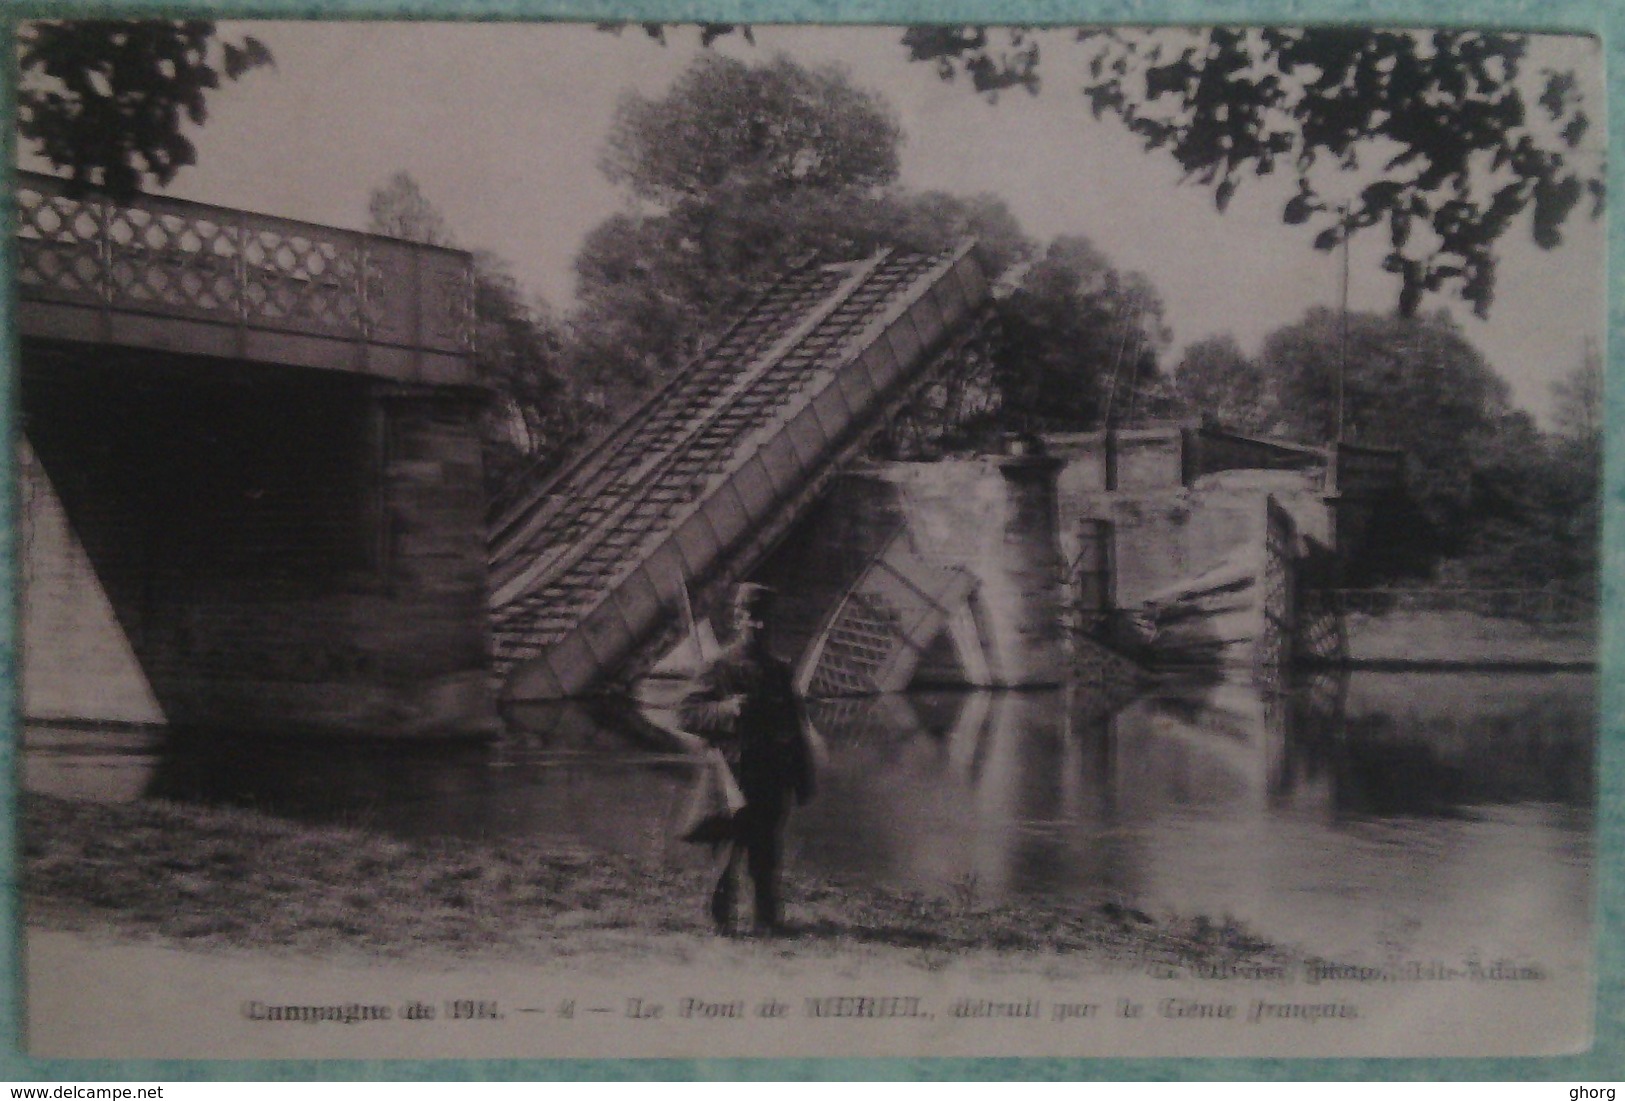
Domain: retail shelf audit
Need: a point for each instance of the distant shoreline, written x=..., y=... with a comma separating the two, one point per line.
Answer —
x=1463, y=641
x=1449, y=665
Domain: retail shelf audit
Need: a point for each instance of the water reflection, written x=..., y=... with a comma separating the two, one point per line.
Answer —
x=1412, y=812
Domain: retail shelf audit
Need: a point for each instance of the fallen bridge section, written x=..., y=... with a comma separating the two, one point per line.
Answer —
x=589, y=569
x=872, y=641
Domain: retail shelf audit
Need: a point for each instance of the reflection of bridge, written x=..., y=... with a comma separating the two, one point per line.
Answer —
x=253, y=489
x=589, y=569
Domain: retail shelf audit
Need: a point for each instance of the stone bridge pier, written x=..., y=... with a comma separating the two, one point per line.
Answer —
x=1076, y=562
x=944, y=573
x=251, y=479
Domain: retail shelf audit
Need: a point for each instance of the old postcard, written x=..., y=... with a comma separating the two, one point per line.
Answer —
x=657, y=540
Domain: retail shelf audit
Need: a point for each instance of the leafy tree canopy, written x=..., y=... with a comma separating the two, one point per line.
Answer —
x=1416, y=384
x=1573, y=478
x=779, y=165
x=1077, y=343
x=778, y=125
x=743, y=171
x=708, y=32
x=651, y=287
x=1218, y=382
x=1492, y=500
x=1456, y=137
x=399, y=208
x=108, y=100
x=1577, y=401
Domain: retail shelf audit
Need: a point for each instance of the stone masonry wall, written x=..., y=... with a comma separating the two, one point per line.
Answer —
x=290, y=552
x=994, y=517
x=76, y=662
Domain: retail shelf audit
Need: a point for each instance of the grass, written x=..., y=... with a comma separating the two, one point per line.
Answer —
x=234, y=879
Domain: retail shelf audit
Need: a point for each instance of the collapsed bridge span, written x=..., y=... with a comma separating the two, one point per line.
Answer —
x=589, y=568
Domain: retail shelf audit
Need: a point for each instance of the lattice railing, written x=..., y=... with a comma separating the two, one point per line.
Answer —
x=173, y=258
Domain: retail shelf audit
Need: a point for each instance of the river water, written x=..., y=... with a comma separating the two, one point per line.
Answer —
x=1360, y=816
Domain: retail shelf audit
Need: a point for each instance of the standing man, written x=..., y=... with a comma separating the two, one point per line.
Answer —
x=745, y=704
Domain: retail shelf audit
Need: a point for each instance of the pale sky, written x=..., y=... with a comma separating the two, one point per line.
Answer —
x=501, y=125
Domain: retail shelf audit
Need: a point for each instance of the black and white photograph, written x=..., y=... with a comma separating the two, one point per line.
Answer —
x=548, y=540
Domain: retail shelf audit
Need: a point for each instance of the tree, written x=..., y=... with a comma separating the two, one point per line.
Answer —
x=1415, y=384
x=1072, y=342
x=1492, y=500
x=652, y=287
x=1535, y=516
x=399, y=209
x=1404, y=378
x=1077, y=342
x=108, y=100
x=779, y=126
x=707, y=32
x=1576, y=473
x=523, y=354
x=1222, y=385
x=539, y=413
x=777, y=165
x=740, y=172
x=1577, y=401
x=1460, y=138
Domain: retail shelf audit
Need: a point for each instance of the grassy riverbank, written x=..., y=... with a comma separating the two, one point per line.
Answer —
x=228, y=879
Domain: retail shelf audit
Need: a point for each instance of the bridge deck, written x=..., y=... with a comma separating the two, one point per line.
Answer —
x=694, y=484
x=174, y=276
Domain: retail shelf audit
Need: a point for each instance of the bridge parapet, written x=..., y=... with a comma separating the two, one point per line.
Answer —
x=167, y=274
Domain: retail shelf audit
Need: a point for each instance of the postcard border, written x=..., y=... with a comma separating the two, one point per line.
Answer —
x=1595, y=17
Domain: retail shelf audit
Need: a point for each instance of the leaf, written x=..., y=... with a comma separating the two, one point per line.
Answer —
x=257, y=52
x=1300, y=208
x=1553, y=202
x=1399, y=229
x=1221, y=194
x=243, y=59
x=1575, y=131
x=1381, y=194
x=1328, y=239
x=1559, y=86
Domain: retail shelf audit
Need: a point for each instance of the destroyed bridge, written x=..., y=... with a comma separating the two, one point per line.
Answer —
x=252, y=490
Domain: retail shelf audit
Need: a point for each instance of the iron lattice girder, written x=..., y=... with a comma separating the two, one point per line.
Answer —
x=715, y=587
x=756, y=434
x=873, y=639
x=954, y=395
